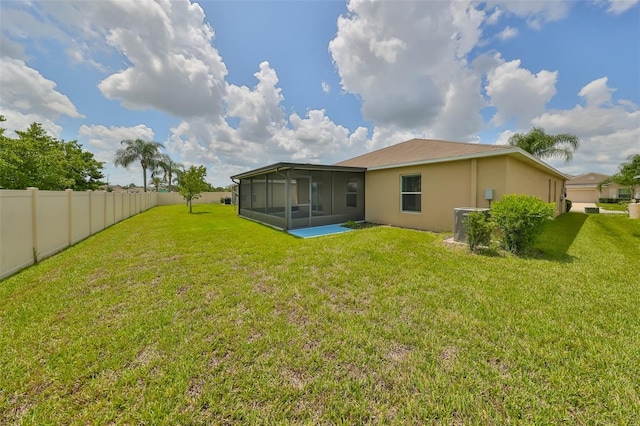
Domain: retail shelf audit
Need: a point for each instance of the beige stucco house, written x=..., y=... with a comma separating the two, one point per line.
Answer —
x=414, y=184
x=584, y=189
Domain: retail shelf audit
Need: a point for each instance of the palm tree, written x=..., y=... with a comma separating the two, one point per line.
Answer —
x=541, y=145
x=156, y=181
x=169, y=167
x=147, y=152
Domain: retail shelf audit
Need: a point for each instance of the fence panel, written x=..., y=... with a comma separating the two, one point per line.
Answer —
x=97, y=212
x=16, y=231
x=110, y=210
x=52, y=215
x=80, y=217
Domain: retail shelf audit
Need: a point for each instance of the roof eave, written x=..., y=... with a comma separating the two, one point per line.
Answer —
x=494, y=153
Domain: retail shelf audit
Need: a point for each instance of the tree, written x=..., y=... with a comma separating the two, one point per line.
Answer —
x=192, y=184
x=156, y=181
x=628, y=175
x=170, y=168
x=39, y=160
x=146, y=152
x=539, y=144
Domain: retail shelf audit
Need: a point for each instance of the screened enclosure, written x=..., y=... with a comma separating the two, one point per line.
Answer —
x=289, y=195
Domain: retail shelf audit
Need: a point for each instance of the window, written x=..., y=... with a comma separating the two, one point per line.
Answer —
x=411, y=193
x=352, y=193
x=624, y=193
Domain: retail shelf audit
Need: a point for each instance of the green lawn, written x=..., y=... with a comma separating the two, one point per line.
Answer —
x=612, y=206
x=171, y=318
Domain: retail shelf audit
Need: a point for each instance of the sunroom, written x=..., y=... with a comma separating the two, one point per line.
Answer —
x=293, y=195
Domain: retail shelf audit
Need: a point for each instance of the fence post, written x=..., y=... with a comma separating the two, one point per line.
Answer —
x=34, y=221
x=89, y=192
x=70, y=207
x=105, y=210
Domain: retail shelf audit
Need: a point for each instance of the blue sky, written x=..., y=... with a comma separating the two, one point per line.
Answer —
x=235, y=85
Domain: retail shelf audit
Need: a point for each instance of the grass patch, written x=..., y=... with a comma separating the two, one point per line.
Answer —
x=613, y=206
x=180, y=319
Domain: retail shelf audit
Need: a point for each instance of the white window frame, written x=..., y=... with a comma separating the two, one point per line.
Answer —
x=403, y=193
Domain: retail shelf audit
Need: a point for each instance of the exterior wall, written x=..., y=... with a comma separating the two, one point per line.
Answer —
x=491, y=174
x=446, y=186
x=523, y=178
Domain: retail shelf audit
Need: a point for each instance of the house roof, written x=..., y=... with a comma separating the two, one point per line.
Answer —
x=278, y=167
x=425, y=151
x=587, y=179
x=417, y=151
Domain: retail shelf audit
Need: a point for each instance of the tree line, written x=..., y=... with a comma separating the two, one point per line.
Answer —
x=36, y=159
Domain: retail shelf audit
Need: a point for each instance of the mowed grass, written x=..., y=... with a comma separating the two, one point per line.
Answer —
x=612, y=206
x=171, y=318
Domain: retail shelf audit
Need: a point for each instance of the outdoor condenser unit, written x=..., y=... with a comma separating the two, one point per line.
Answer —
x=459, y=222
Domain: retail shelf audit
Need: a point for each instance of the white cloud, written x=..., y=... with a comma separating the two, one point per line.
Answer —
x=609, y=131
x=404, y=62
x=517, y=93
x=26, y=92
x=536, y=13
x=77, y=56
x=104, y=141
x=263, y=135
x=259, y=110
x=508, y=33
x=326, y=88
x=597, y=92
x=170, y=63
x=28, y=24
x=17, y=120
x=11, y=49
x=618, y=7
x=174, y=67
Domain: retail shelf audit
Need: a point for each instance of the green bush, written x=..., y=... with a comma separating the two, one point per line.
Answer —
x=620, y=200
x=520, y=218
x=479, y=229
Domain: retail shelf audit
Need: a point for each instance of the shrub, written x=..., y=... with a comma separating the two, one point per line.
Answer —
x=624, y=198
x=520, y=218
x=479, y=229
x=568, y=203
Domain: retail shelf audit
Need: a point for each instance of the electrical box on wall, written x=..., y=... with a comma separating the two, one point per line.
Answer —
x=488, y=194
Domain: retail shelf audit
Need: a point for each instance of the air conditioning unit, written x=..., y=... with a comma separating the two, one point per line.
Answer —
x=459, y=221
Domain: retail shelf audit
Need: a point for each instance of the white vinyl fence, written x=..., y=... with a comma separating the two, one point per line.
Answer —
x=36, y=224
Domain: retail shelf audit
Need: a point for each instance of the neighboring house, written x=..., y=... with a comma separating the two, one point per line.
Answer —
x=584, y=189
x=415, y=184
x=132, y=189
